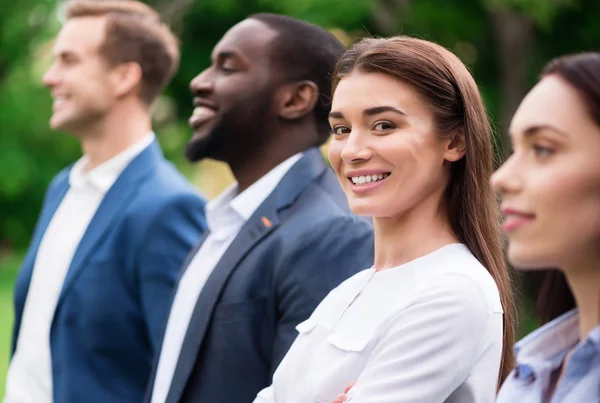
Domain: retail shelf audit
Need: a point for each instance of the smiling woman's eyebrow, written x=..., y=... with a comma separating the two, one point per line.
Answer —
x=369, y=112
x=336, y=115
x=381, y=109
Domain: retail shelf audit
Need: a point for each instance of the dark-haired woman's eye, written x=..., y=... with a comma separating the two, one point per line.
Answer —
x=542, y=151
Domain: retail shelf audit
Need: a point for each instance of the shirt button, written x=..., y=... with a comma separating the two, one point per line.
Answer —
x=524, y=373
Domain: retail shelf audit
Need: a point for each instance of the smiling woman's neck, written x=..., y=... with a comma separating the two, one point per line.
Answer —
x=401, y=239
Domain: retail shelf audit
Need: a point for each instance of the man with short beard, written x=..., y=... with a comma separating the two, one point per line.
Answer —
x=95, y=287
x=282, y=236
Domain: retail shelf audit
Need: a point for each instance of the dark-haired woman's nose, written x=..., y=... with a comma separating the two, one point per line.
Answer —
x=507, y=179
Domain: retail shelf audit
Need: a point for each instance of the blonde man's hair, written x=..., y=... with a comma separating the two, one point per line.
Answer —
x=134, y=33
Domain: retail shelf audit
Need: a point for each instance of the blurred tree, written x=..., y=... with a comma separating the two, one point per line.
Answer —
x=514, y=23
x=29, y=154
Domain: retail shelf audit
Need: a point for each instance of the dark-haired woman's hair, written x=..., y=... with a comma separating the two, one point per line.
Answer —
x=445, y=84
x=582, y=72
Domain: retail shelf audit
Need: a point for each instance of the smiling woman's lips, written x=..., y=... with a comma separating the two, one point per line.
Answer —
x=366, y=187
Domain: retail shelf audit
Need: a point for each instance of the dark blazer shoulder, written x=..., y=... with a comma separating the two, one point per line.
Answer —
x=320, y=225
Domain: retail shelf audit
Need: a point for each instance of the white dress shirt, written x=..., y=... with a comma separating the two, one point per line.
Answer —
x=225, y=217
x=428, y=331
x=29, y=378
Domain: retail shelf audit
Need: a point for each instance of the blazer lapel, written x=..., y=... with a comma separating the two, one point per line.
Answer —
x=264, y=221
x=55, y=197
x=191, y=255
x=184, y=266
x=250, y=235
x=113, y=204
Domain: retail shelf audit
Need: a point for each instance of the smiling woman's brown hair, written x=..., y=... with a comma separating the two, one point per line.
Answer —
x=445, y=84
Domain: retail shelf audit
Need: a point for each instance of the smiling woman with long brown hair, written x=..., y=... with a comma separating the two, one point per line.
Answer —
x=431, y=321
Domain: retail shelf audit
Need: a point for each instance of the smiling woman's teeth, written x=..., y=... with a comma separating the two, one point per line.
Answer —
x=361, y=180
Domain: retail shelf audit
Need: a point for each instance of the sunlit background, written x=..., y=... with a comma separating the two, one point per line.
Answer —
x=504, y=42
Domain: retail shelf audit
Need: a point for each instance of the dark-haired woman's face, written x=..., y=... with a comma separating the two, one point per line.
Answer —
x=550, y=186
x=385, y=149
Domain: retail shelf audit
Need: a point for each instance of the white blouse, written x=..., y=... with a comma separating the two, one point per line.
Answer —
x=427, y=331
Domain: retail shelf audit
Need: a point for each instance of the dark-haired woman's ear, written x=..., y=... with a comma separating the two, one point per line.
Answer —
x=297, y=99
x=456, y=148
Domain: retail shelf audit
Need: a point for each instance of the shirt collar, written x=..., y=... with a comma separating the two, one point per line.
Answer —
x=551, y=339
x=231, y=207
x=545, y=348
x=219, y=213
x=104, y=175
x=246, y=203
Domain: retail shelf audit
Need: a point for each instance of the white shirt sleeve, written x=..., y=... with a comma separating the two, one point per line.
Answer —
x=430, y=346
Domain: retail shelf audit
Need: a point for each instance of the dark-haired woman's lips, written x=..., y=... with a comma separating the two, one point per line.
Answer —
x=514, y=219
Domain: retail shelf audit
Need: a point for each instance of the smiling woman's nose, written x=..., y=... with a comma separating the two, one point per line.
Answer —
x=356, y=148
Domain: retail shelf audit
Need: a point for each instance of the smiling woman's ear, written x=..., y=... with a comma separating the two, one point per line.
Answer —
x=297, y=99
x=456, y=148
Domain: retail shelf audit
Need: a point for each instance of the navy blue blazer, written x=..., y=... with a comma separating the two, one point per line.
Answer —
x=115, y=299
x=300, y=243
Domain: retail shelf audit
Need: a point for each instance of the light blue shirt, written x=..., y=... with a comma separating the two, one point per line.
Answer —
x=542, y=352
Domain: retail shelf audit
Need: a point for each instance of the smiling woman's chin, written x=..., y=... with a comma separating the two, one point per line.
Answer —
x=364, y=208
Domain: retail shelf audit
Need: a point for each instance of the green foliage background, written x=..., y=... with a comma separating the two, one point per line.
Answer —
x=31, y=154
x=504, y=42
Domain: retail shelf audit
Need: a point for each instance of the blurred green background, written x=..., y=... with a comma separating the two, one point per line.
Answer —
x=504, y=42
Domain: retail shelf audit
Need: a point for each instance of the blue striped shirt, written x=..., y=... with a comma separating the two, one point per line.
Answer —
x=541, y=354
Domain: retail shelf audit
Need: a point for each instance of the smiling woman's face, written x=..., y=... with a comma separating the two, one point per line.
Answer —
x=385, y=149
x=550, y=185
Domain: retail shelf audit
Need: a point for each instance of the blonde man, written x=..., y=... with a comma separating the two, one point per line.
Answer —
x=95, y=286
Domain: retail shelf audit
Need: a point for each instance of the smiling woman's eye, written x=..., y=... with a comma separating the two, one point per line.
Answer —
x=340, y=130
x=384, y=126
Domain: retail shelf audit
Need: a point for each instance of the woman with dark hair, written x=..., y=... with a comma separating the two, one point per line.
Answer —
x=550, y=188
x=412, y=148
